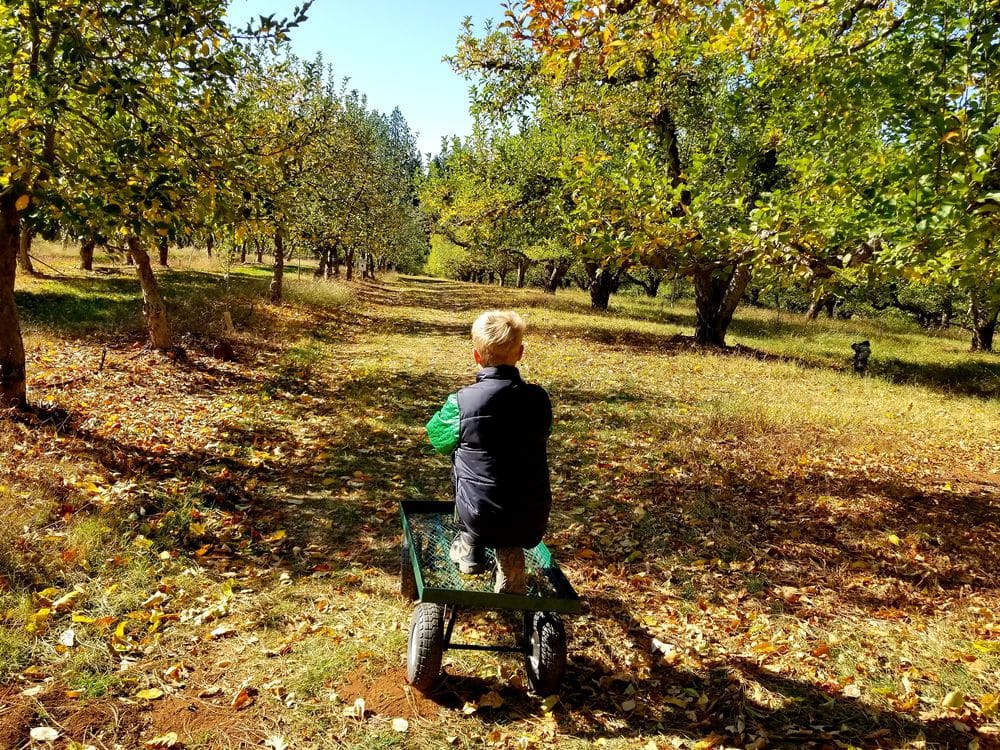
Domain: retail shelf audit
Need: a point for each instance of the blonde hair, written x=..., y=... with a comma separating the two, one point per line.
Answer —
x=497, y=336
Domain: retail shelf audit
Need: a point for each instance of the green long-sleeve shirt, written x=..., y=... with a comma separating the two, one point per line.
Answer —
x=443, y=428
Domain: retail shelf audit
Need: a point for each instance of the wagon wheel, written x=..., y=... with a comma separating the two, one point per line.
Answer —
x=545, y=660
x=407, y=581
x=426, y=646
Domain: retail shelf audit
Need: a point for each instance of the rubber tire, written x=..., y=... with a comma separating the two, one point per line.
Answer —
x=545, y=663
x=407, y=581
x=425, y=647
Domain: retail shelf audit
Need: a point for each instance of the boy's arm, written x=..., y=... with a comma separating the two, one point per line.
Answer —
x=443, y=429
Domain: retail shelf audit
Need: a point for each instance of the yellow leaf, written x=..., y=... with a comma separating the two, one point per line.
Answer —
x=149, y=694
x=66, y=601
x=989, y=704
x=36, y=622
x=277, y=536
x=954, y=699
x=712, y=740
x=22, y=202
x=893, y=540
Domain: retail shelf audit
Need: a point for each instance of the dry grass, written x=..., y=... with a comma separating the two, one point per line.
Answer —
x=794, y=533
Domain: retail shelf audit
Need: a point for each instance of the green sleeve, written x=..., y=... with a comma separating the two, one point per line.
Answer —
x=443, y=427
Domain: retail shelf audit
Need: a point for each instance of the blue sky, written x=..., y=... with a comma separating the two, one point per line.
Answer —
x=391, y=50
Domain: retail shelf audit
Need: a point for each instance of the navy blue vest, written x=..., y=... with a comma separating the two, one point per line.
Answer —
x=500, y=469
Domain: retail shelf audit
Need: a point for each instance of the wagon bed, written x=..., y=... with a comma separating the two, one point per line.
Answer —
x=429, y=528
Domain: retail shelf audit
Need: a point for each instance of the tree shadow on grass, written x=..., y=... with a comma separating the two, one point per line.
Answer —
x=973, y=377
x=113, y=305
x=731, y=697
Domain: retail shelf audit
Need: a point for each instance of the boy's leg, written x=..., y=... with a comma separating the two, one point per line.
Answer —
x=466, y=552
x=510, y=571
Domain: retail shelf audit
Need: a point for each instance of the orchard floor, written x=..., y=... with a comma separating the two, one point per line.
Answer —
x=772, y=552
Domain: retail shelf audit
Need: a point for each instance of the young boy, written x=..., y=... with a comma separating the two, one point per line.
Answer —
x=497, y=428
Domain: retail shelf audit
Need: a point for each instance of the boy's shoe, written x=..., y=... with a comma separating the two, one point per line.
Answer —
x=510, y=571
x=470, y=558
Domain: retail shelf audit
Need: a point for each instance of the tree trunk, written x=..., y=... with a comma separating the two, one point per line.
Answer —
x=717, y=293
x=554, y=273
x=260, y=251
x=824, y=301
x=324, y=255
x=164, y=248
x=601, y=284
x=277, y=277
x=153, y=307
x=348, y=265
x=210, y=244
x=12, y=383
x=24, y=251
x=87, y=255
x=522, y=273
x=984, y=316
x=333, y=262
x=243, y=252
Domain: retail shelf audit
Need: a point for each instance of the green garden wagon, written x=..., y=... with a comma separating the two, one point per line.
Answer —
x=428, y=576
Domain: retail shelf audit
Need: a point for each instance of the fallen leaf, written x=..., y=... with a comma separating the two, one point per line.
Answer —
x=164, y=741
x=43, y=734
x=549, y=703
x=400, y=725
x=712, y=740
x=492, y=699
x=989, y=704
x=222, y=631
x=358, y=709
x=852, y=691
x=893, y=540
x=149, y=694
x=276, y=742
x=66, y=601
x=954, y=699
x=628, y=705
x=243, y=698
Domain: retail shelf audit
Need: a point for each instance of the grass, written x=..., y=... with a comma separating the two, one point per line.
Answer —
x=789, y=529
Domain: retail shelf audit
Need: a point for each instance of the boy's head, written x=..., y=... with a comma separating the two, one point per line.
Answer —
x=497, y=337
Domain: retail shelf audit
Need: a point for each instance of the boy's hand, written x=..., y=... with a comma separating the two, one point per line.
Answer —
x=443, y=429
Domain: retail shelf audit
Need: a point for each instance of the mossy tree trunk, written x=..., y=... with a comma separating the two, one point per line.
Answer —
x=154, y=309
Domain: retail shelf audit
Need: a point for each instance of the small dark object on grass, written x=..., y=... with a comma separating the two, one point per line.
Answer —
x=224, y=351
x=862, y=351
x=176, y=353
